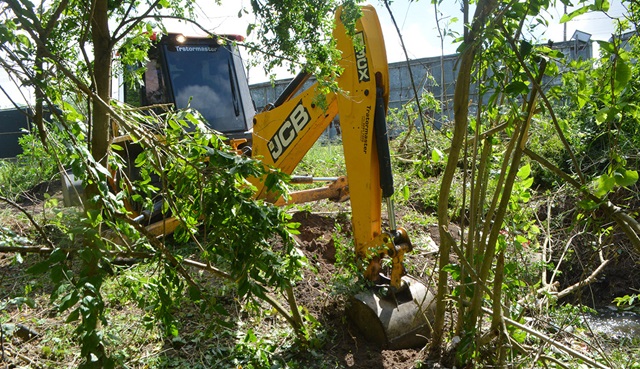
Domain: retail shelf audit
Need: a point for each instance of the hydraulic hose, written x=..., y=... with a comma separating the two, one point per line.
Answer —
x=382, y=142
x=384, y=156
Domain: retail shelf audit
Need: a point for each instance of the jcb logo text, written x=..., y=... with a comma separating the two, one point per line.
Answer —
x=288, y=131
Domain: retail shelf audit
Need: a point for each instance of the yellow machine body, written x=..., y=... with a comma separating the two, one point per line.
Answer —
x=282, y=136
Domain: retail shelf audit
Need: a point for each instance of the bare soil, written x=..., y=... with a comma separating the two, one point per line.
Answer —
x=348, y=345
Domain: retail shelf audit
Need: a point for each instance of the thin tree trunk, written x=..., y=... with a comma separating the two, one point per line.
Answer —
x=461, y=113
x=93, y=351
x=100, y=137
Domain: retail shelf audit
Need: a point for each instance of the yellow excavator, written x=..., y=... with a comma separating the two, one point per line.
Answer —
x=284, y=133
x=207, y=74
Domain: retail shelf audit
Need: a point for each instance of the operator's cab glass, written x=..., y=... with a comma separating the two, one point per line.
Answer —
x=203, y=75
x=154, y=90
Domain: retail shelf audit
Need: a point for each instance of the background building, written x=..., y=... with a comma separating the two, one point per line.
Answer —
x=436, y=75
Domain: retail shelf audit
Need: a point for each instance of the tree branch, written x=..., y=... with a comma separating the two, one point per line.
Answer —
x=537, y=86
x=35, y=224
x=551, y=341
x=135, y=21
x=590, y=279
x=293, y=318
x=629, y=225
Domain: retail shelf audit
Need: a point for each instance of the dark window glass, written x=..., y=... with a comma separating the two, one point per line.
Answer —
x=201, y=76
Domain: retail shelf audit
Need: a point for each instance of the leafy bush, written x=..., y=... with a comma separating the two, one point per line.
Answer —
x=34, y=166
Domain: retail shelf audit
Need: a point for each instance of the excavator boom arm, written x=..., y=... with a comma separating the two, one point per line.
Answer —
x=283, y=135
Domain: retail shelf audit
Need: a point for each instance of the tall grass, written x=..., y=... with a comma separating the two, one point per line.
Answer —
x=324, y=159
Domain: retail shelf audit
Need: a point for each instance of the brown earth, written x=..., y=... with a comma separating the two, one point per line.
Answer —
x=348, y=346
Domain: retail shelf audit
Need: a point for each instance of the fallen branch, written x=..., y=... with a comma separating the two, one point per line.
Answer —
x=22, y=357
x=628, y=224
x=291, y=319
x=71, y=251
x=554, y=360
x=42, y=232
x=564, y=253
x=551, y=341
x=269, y=299
x=546, y=244
x=590, y=279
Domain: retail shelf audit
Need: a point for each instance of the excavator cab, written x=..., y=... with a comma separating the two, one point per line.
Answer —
x=204, y=73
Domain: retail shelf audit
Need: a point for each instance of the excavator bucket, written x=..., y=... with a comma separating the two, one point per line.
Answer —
x=396, y=321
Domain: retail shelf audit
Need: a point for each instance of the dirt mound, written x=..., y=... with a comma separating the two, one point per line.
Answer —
x=345, y=343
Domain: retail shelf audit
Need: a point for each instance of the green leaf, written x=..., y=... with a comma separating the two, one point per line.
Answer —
x=516, y=88
x=39, y=268
x=68, y=301
x=57, y=274
x=436, y=155
x=250, y=28
x=57, y=256
x=453, y=269
x=220, y=309
x=625, y=177
x=194, y=293
x=192, y=119
x=173, y=330
x=607, y=46
x=524, y=172
x=250, y=337
x=623, y=74
x=243, y=286
x=24, y=39
x=604, y=184
x=73, y=316
x=527, y=183
x=405, y=193
x=602, y=115
x=556, y=54
x=525, y=48
x=173, y=124
x=567, y=17
x=587, y=205
x=601, y=5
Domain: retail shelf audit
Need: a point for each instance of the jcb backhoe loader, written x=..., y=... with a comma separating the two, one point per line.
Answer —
x=207, y=73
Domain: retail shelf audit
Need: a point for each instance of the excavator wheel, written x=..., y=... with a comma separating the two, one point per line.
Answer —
x=395, y=321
